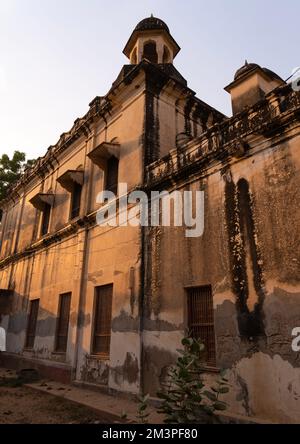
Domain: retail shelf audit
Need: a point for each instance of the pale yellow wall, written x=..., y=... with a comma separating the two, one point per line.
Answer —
x=112, y=252
x=106, y=257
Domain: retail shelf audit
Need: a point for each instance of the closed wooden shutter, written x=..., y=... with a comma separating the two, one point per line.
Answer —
x=32, y=321
x=63, y=322
x=102, y=320
x=201, y=320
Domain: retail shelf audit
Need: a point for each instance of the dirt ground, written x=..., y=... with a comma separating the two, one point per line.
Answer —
x=23, y=405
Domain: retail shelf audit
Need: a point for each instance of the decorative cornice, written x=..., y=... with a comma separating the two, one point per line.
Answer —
x=228, y=139
x=100, y=106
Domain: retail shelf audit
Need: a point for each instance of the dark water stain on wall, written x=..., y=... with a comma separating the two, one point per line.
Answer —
x=155, y=82
x=156, y=364
x=46, y=327
x=95, y=371
x=129, y=371
x=17, y=323
x=125, y=323
x=241, y=233
x=282, y=314
x=83, y=319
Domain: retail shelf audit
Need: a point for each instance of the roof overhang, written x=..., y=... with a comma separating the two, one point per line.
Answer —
x=103, y=152
x=136, y=34
x=70, y=177
x=41, y=199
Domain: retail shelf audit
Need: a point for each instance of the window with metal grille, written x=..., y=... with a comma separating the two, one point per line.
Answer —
x=45, y=219
x=201, y=320
x=112, y=175
x=75, y=200
x=63, y=318
x=102, y=320
x=32, y=321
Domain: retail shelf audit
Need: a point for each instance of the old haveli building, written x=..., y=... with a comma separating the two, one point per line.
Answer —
x=109, y=305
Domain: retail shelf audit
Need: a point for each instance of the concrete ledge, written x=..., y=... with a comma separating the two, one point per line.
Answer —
x=108, y=414
x=108, y=407
x=47, y=369
x=109, y=403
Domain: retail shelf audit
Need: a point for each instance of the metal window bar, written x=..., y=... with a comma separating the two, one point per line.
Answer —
x=102, y=320
x=201, y=320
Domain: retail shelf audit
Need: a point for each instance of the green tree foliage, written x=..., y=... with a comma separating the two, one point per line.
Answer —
x=186, y=397
x=11, y=170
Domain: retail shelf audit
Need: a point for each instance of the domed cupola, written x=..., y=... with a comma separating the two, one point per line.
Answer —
x=151, y=40
x=251, y=84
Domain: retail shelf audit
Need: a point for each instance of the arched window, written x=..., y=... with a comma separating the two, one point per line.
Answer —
x=150, y=52
x=166, y=55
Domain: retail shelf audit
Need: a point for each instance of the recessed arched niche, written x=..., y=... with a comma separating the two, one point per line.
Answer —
x=150, y=52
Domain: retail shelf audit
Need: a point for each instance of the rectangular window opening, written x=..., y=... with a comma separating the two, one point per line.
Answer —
x=112, y=175
x=63, y=318
x=102, y=321
x=45, y=219
x=201, y=320
x=32, y=322
x=75, y=200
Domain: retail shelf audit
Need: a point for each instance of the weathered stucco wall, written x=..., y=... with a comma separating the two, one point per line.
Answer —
x=250, y=254
x=82, y=258
x=248, y=168
x=113, y=257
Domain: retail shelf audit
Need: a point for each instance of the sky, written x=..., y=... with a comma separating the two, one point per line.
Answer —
x=57, y=55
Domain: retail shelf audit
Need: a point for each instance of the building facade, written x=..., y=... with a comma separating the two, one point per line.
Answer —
x=108, y=306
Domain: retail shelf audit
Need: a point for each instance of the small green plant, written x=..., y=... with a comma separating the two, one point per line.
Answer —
x=124, y=416
x=186, y=397
x=142, y=413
